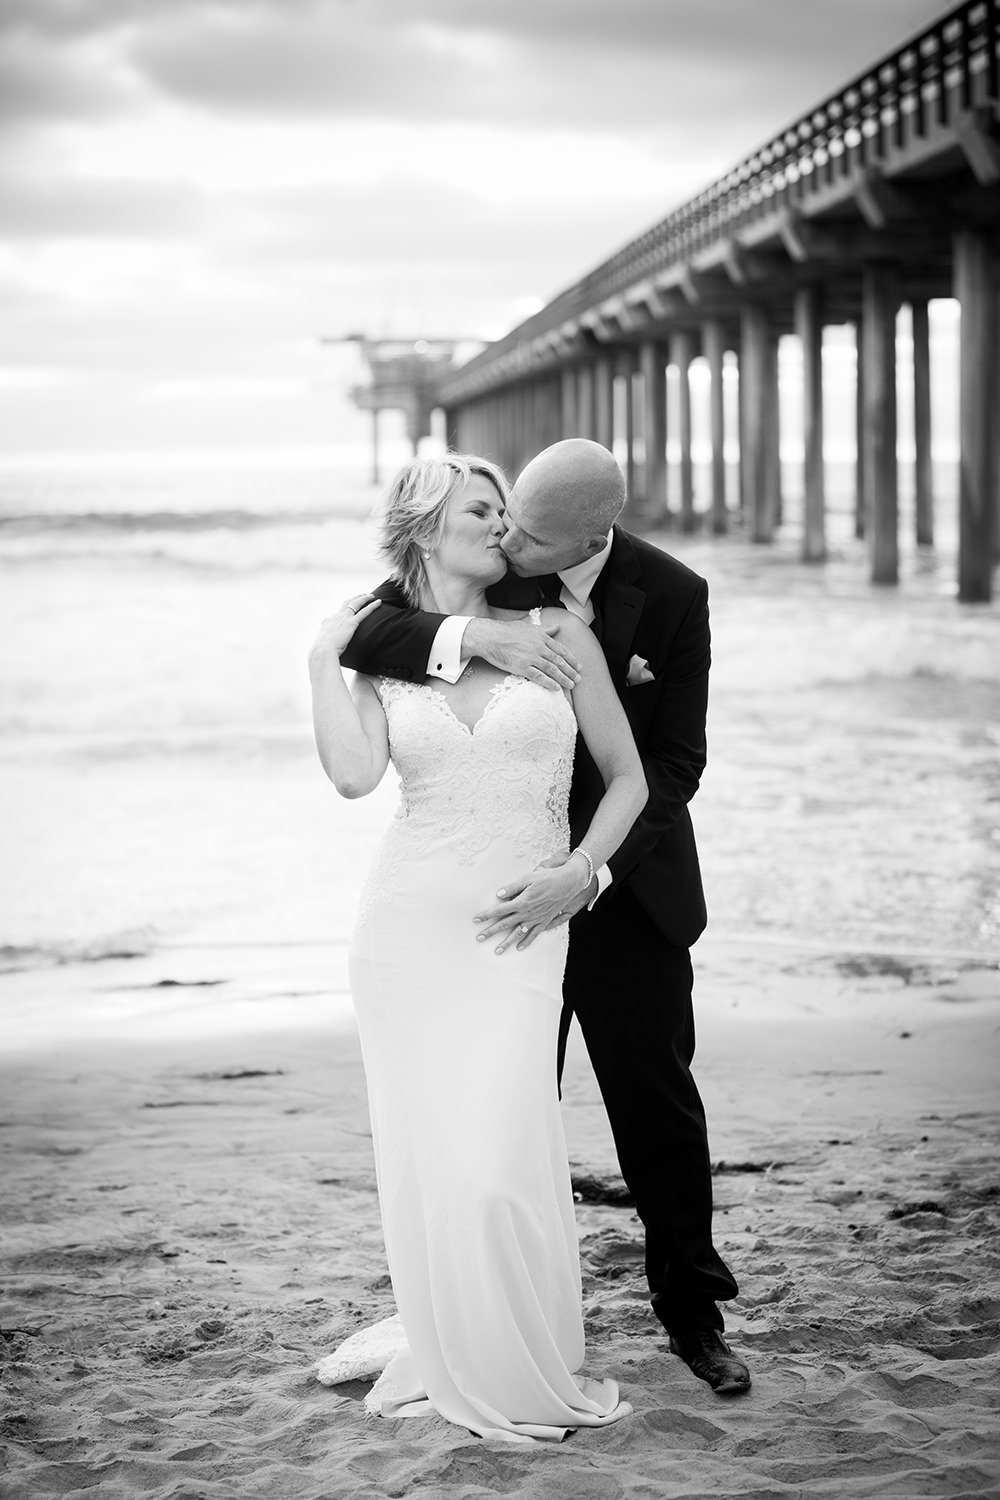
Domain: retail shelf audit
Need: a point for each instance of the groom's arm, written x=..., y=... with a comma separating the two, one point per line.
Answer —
x=394, y=640
x=398, y=641
x=674, y=754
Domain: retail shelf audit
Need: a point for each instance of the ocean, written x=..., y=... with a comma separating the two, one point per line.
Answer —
x=160, y=786
x=157, y=758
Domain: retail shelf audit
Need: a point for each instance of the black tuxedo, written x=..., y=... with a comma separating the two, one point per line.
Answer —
x=628, y=977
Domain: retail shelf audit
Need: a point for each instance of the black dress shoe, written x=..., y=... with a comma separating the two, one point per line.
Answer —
x=708, y=1356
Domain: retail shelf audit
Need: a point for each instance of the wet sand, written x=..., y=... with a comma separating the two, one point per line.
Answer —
x=189, y=1206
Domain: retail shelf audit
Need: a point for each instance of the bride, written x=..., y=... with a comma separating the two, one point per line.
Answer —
x=459, y=1032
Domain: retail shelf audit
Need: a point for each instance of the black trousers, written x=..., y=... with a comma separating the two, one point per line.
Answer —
x=630, y=990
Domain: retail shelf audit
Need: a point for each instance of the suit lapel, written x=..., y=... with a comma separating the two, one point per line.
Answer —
x=618, y=601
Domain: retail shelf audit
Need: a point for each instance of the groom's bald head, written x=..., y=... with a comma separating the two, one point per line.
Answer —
x=562, y=507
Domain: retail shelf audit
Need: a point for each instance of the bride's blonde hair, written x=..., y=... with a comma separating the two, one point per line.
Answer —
x=413, y=508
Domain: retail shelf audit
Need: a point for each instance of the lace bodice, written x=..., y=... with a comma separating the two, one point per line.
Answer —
x=463, y=790
x=511, y=772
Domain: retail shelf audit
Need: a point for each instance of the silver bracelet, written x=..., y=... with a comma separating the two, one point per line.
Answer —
x=590, y=863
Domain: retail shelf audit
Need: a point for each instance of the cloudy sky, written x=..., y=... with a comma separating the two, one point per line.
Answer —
x=193, y=192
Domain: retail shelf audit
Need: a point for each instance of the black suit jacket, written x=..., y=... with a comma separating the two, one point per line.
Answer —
x=647, y=605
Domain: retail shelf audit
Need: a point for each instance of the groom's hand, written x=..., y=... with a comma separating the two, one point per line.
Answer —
x=533, y=903
x=531, y=651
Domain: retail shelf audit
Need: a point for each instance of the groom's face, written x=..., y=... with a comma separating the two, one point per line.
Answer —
x=540, y=538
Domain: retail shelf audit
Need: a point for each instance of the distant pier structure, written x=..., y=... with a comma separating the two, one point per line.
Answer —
x=886, y=193
x=403, y=375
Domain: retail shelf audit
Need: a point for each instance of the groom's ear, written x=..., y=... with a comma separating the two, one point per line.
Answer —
x=596, y=544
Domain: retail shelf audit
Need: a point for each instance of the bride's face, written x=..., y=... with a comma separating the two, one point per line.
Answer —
x=473, y=530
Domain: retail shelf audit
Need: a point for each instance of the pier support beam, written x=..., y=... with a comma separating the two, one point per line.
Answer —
x=652, y=363
x=569, y=414
x=625, y=366
x=713, y=343
x=976, y=290
x=505, y=445
x=996, y=429
x=522, y=419
x=515, y=417
x=880, y=300
x=923, y=471
x=533, y=419
x=494, y=409
x=809, y=327
x=682, y=351
x=526, y=425
x=759, y=420
x=585, y=401
x=376, y=478
x=859, y=427
x=552, y=425
x=548, y=403
x=467, y=435
x=604, y=401
x=742, y=490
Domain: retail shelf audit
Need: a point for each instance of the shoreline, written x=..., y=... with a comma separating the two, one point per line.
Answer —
x=183, y=993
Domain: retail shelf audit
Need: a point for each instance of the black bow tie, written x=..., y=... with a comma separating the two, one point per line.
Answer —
x=551, y=587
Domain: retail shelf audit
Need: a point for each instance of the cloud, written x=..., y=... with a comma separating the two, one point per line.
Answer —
x=77, y=208
x=38, y=86
x=60, y=61
x=377, y=63
x=419, y=236
x=224, y=387
x=541, y=64
x=27, y=378
x=528, y=65
x=63, y=20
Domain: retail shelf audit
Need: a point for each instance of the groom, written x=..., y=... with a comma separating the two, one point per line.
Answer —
x=628, y=975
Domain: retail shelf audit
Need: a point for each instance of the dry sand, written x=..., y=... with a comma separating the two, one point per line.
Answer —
x=191, y=1225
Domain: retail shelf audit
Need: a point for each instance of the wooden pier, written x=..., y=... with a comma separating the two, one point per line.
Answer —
x=886, y=193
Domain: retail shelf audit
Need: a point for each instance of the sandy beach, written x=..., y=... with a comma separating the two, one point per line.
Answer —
x=189, y=1226
x=189, y=1210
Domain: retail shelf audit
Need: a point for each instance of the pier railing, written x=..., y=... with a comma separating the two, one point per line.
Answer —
x=894, y=109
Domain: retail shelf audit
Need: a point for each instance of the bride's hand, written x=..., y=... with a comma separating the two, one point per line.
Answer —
x=528, y=905
x=337, y=631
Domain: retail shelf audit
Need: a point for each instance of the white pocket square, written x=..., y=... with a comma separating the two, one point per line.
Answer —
x=638, y=672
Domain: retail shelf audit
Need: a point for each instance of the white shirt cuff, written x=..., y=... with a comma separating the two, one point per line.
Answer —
x=604, y=879
x=445, y=660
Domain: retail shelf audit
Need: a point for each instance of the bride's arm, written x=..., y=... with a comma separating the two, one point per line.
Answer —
x=608, y=737
x=533, y=901
x=352, y=736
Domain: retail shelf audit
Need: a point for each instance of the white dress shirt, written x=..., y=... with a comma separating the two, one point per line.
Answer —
x=578, y=583
x=445, y=660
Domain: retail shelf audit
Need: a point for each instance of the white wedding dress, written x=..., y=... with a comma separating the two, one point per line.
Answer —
x=459, y=1047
